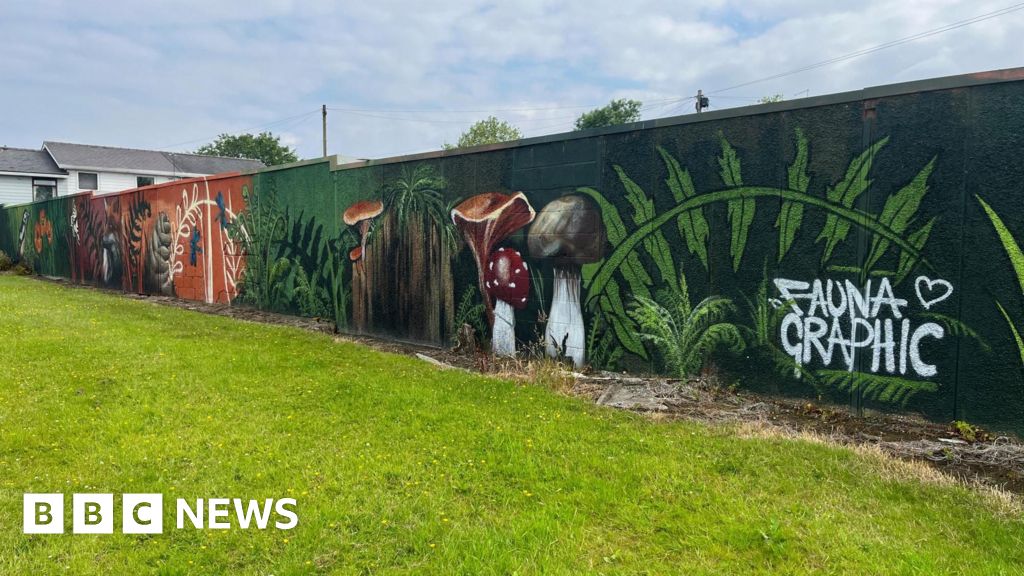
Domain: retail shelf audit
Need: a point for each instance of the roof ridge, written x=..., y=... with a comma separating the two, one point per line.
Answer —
x=165, y=152
x=4, y=147
x=212, y=156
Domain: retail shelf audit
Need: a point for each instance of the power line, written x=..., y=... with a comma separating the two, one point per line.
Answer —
x=883, y=46
x=244, y=130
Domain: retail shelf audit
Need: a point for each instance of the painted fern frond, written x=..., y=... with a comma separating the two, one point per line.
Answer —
x=693, y=226
x=888, y=389
x=740, y=210
x=899, y=211
x=845, y=193
x=792, y=213
x=643, y=211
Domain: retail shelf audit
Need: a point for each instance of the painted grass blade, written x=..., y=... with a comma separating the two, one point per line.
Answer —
x=1009, y=244
x=1013, y=329
x=792, y=213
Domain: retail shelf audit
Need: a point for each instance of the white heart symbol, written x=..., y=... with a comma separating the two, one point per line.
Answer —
x=945, y=291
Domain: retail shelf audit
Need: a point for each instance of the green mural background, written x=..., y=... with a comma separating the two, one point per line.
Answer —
x=859, y=249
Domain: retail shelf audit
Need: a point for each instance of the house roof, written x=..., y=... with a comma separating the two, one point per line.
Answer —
x=86, y=156
x=28, y=161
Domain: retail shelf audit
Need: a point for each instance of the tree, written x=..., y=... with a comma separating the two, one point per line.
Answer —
x=487, y=131
x=770, y=99
x=621, y=111
x=264, y=147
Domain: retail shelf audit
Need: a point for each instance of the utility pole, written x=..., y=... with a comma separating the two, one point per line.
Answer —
x=323, y=110
x=702, y=101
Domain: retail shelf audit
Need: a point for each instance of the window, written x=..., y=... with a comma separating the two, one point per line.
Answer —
x=141, y=181
x=88, y=181
x=43, y=189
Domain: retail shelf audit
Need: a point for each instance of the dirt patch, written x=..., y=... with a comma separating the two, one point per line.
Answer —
x=975, y=457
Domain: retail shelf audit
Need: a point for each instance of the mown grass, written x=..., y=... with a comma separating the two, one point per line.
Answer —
x=401, y=468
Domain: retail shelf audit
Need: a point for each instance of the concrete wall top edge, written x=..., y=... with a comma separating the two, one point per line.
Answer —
x=873, y=92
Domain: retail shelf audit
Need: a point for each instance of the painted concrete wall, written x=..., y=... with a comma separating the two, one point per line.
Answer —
x=864, y=248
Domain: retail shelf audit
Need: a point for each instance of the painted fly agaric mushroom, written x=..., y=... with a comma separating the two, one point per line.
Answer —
x=507, y=280
x=485, y=220
x=569, y=232
x=362, y=213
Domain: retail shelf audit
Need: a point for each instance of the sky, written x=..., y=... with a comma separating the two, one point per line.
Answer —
x=401, y=76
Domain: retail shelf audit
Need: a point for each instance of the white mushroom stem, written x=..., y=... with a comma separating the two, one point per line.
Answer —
x=565, y=333
x=503, y=337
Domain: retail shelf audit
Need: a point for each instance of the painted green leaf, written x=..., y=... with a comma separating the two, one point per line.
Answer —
x=846, y=193
x=741, y=210
x=643, y=211
x=614, y=261
x=792, y=213
x=1009, y=244
x=1013, y=329
x=693, y=227
x=899, y=211
x=625, y=329
x=917, y=240
x=632, y=269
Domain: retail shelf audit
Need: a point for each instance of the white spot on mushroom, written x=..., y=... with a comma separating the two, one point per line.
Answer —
x=487, y=284
x=524, y=266
x=516, y=271
x=511, y=284
x=524, y=299
x=490, y=266
x=501, y=249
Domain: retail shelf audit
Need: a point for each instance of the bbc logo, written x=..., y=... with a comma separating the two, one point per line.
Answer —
x=93, y=513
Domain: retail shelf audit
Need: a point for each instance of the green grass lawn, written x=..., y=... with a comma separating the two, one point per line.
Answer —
x=398, y=467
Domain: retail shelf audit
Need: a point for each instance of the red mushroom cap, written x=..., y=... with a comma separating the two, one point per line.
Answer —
x=356, y=253
x=507, y=278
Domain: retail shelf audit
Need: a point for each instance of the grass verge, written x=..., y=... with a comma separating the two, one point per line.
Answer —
x=402, y=468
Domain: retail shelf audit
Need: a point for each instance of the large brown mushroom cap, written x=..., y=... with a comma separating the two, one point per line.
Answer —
x=362, y=210
x=487, y=219
x=568, y=231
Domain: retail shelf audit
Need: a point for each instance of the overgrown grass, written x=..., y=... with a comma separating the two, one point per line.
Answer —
x=402, y=468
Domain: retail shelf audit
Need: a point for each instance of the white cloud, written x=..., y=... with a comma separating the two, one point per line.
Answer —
x=159, y=73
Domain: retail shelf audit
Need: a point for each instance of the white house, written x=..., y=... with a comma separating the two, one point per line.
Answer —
x=61, y=168
x=29, y=174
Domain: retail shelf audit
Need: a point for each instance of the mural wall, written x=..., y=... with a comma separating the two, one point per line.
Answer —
x=172, y=239
x=863, y=251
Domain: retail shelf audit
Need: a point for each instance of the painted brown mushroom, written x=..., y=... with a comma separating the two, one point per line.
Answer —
x=507, y=280
x=361, y=214
x=485, y=220
x=568, y=232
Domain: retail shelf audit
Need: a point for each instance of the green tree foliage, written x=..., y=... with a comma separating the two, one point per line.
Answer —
x=769, y=99
x=487, y=131
x=621, y=111
x=264, y=147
